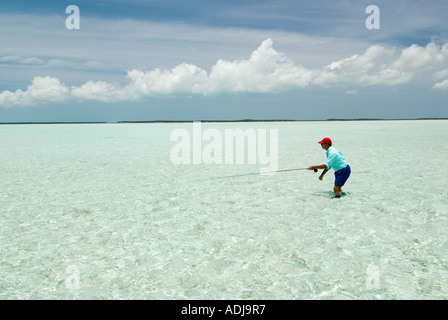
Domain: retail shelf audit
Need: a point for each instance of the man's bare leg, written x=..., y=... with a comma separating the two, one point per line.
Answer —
x=337, y=191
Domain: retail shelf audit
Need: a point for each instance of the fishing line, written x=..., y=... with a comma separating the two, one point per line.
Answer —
x=260, y=173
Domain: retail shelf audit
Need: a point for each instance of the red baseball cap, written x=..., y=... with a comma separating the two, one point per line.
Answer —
x=325, y=140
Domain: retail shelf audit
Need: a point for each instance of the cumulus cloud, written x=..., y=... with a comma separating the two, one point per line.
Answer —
x=99, y=91
x=266, y=71
x=373, y=67
x=417, y=59
x=182, y=79
x=42, y=90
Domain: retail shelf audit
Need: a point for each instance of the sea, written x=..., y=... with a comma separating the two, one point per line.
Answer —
x=109, y=211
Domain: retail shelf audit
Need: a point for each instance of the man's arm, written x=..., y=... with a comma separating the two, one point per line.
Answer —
x=323, y=173
x=321, y=166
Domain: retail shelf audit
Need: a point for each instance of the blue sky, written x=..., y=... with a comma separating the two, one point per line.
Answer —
x=223, y=60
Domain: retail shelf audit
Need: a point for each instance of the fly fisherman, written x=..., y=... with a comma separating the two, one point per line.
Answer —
x=335, y=160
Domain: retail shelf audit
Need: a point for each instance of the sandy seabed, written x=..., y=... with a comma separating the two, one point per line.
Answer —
x=99, y=211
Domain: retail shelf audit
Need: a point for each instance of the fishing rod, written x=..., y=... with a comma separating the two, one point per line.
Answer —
x=260, y=173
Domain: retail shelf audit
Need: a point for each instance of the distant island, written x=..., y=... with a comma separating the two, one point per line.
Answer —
x=224, y=121
x=273, y=120
x=55, y=122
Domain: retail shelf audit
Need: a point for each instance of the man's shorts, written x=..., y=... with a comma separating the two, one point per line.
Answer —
x=341, y=176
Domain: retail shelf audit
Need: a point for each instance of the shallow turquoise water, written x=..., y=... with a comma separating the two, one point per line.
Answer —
x=100, y=212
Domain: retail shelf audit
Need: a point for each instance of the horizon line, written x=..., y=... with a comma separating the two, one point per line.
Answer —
x=238, y=120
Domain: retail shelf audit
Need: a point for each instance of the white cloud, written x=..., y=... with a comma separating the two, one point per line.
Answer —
x=351, y=92
x=416, y=58
x=182, y=79
x=441, y=85
x=442, y=74
x=42, y=90
x=97, y=91
x=371, y=68
x=20, y=60
x=266, y=71
x=10, y=58
x=33, y=60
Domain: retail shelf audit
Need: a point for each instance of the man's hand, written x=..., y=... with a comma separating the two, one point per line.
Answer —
x=321, y=177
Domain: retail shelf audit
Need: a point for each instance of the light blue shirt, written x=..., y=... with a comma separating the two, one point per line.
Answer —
x=335, y=159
